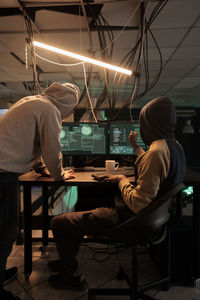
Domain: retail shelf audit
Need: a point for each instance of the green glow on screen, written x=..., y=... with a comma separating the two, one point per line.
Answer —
x=71, y=197
x=104, y=115
x=188, y=191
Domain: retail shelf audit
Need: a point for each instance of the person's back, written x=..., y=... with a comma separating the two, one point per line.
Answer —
x=20, y=132
x=163, y=165
x=158, y=122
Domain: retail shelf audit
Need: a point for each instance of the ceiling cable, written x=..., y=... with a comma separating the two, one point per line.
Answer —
x=56, y=63
x=90, y=101
x=24, y=9
x=130, y=56
x=118, y=35
x=88, y=27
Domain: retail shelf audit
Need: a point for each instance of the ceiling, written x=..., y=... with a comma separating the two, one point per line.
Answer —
x=82, y=26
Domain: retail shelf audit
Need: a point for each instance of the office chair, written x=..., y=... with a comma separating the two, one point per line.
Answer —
x=148, y=226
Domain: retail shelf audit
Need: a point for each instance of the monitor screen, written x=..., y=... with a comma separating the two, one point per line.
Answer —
x=118, y=138
x=84, y=138
x=139, y=140
x=3, y=111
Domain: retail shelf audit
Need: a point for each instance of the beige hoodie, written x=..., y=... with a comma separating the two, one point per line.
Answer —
x=31, y=129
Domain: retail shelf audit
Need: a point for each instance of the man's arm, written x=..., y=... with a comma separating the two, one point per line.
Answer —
x=152, y=171
x=49, y=130
x=41, y=168
x=133, y=136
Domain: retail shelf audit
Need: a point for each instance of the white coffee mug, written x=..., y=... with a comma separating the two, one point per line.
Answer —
x=111, y=165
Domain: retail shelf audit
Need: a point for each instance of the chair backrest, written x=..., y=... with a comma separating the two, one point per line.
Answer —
x=141, y=228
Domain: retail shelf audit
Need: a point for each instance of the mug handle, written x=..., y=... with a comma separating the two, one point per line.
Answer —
x=116, y=165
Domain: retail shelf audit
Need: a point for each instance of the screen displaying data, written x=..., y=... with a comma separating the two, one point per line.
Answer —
x=118, y=138
x=84, y=138
x=139, y=140
x=3, y=111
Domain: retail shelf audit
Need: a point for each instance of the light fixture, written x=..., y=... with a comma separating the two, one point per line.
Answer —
x=83, y=58
x=188, y=128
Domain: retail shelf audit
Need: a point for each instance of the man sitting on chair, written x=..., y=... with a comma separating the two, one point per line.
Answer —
x=160, y=168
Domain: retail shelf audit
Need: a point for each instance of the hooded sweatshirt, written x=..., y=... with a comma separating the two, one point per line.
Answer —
x=31, y=129
x=161, y=167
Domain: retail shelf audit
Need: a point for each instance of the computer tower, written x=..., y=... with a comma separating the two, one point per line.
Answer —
x=175, y=253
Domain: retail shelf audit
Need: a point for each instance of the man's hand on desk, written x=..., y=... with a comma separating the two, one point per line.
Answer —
x=46, y=174
x=69, y=174
x=41, y=169
x=109, y=178
x=43, y=173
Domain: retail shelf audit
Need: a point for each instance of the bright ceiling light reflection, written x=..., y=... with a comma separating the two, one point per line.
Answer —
x=83, y=58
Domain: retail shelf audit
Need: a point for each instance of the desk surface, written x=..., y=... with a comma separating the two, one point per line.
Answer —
x=82, y=178
x=192, y=177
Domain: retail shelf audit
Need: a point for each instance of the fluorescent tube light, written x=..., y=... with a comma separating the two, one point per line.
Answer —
x=83, y=58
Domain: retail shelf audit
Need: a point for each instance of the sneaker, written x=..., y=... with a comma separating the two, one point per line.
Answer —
x=10, y=274
x=56, y=266
x=6, y=295
x=66, y=282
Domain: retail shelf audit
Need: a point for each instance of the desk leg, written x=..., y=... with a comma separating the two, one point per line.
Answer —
x=45, y=216
x=196, y=235
x=27, y=232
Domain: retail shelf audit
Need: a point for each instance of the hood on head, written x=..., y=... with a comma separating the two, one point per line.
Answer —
x=157, y=120
x=64, y=96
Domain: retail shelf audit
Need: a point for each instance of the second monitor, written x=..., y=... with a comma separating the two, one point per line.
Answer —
x=118, y=138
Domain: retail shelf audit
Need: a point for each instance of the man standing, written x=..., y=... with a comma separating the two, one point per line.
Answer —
x=30, y=139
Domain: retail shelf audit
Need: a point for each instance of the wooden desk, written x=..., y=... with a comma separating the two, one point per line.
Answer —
x=33, y=179
x=192, y=178
x=84, y=179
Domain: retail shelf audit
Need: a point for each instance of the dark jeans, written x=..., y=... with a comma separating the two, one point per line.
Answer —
x=69, y=228
x=9, y=195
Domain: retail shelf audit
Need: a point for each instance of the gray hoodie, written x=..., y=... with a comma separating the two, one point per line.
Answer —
x=31, y=129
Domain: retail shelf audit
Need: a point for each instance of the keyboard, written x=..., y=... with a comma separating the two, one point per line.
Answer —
x=80, y=169
x=127, y=172
x=84, y=169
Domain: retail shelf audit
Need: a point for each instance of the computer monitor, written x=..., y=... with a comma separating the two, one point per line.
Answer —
x=119, y=143
x=3, y=111
x=139, y=140
x=84, y=138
